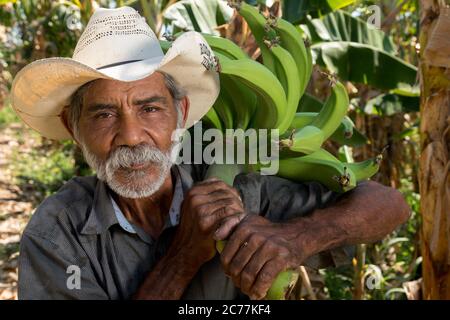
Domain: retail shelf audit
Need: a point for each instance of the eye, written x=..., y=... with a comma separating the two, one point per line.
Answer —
x=104, y=115
x=149, y=109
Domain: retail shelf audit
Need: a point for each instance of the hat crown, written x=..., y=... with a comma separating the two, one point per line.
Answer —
x=115, y=36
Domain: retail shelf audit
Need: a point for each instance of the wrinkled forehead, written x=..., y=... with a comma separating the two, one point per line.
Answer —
x=104, y=88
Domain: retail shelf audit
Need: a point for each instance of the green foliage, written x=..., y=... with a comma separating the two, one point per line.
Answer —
x=188, y=15
x=296, y=11
x=338, y=283
x=7, y=115
x=43, y=169
x=361, y=63
x=342, y=26
x=397, y=257
x=388, y=104
x=309, y=103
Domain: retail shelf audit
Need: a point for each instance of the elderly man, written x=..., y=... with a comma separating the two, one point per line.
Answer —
x=146, y=229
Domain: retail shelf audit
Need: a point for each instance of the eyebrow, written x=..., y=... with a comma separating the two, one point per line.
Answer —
x=151, y=100
x=99, y=107
x=106, y=106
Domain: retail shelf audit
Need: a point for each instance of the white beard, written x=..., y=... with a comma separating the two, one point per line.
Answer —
x=139, y=182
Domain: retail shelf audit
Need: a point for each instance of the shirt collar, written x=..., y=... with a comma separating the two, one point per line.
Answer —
x=103, y=214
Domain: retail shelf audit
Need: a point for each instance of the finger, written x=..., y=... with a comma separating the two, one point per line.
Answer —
x=208, y=186
x=205, y=199
x=216, y=195
x=228, y=225
x=245, y=254
x=253, y=267
x=229, y=191
x=235, y=241
x=220, y=208
x=211, y=214
x=265, y=278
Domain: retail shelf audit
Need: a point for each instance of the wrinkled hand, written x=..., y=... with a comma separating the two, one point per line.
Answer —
x=257, y=251
x=210, y=211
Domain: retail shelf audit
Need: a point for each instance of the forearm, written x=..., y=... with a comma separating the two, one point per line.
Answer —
x=168, y=279
x=364, y=215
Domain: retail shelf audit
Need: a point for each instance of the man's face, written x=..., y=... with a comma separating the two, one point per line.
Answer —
x=125, y=132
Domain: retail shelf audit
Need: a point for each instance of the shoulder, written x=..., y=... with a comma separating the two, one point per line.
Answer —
x=65, y=210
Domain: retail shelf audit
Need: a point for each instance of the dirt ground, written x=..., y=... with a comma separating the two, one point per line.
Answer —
x=15, y=208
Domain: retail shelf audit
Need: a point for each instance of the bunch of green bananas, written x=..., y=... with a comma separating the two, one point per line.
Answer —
x=266, y=96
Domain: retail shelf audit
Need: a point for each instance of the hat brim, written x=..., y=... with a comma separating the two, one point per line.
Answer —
x=41, y=89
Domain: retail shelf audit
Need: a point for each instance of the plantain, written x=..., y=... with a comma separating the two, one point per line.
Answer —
x=212, y=119
x=283, y=284
x=305, y=140
x=365, y=169
x=288, y=69
x=334, y=109
x=224, y=110
x=270, y=93
x=225, y=47
x=319, y=166
x=243, y=100
x=292, y=40
x=257, y=24
x=345, y=129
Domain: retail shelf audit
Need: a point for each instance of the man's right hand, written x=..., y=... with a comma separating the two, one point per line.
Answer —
x=210, y=212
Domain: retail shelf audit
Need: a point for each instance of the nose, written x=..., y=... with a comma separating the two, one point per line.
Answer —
x=131, y=132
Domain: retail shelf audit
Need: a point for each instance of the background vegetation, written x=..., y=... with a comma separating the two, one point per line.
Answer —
x=379, y=67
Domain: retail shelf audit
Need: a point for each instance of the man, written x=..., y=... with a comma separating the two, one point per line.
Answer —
x=143, y=228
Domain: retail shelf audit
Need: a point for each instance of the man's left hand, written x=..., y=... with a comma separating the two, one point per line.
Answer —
x=257, y=251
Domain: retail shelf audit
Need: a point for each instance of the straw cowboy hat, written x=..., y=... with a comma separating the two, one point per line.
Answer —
x=116, y=44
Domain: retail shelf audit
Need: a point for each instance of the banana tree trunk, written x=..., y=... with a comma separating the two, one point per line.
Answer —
x=434, y=175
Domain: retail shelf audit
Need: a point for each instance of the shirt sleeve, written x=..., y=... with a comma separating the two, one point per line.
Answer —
x=280, y=199
x=46, y=272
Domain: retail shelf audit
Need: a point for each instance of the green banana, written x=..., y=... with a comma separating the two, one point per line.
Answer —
x=309, y=63
x=283, y=284
x=319, y=166
x=305, y=140
x=288, y=69
x=225, y=47
x=365, y=169
x=271, y=97
x=334, y=109
x=257, y=22
x=362, y=170
x=224, y=110
x=291, y=40
x=311, y=137
x=285, y=280
x=275, y=60
x=303, y=119
x=212, y=119
x=243, y=100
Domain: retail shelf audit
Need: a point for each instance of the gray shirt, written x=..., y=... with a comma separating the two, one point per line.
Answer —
x=79, y=233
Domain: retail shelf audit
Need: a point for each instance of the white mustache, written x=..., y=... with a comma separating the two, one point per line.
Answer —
x=125, y=157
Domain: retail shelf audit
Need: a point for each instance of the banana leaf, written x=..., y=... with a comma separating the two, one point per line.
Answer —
x=359, y=53
x=296, y=11
x=366, y=64
x=389, y=104
x=198, y=15
x=342, y=26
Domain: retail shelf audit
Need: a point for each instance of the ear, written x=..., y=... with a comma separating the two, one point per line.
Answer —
x=185, y=105
x=64, y=120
